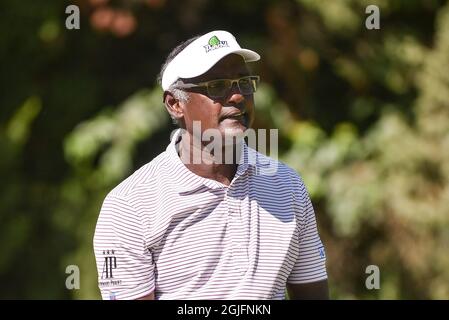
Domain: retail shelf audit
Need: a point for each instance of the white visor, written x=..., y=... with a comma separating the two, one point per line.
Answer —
x=202, y=54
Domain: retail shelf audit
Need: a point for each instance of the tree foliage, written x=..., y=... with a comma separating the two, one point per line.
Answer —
x=363, y=115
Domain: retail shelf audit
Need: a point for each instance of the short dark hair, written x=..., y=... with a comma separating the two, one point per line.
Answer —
x=169, y=59
x=173, y=54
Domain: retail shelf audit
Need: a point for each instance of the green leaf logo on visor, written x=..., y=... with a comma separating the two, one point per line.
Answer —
x=215, y=43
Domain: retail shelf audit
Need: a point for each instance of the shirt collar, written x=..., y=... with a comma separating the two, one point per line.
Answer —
x=191, y=181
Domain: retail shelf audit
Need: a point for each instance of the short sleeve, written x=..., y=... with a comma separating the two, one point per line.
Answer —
x=125, y=266
x=310, y=265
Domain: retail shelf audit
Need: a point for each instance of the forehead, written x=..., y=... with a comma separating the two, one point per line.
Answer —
x=231, y=66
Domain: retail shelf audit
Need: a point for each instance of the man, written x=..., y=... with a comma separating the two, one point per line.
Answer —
x=190, y=225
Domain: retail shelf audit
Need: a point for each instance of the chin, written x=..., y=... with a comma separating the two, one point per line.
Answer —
x=232, y=135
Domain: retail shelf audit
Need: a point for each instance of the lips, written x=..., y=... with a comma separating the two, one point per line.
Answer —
x=233, y=114
x=237, y=116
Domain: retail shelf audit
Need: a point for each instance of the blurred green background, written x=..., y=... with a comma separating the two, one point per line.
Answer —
x=362, y=114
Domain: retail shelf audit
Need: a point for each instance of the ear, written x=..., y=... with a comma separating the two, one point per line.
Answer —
x=173, y=106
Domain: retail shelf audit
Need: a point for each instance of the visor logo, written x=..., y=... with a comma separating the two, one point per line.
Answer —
x=215, y=43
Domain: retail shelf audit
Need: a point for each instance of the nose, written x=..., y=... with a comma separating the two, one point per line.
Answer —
x=235, y=96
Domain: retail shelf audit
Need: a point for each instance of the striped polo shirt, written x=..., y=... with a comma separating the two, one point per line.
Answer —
x=168, y=230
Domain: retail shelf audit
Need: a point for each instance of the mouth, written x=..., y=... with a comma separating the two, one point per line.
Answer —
x=241, y=115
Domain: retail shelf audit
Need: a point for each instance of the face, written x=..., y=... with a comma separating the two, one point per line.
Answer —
x=221, y=113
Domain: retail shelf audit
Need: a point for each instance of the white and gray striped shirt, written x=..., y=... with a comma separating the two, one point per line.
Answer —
x=187, y=237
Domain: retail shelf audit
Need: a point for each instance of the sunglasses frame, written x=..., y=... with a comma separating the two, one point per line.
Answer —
x=205, y=84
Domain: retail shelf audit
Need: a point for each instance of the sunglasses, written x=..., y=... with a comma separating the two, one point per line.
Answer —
x=220, y=88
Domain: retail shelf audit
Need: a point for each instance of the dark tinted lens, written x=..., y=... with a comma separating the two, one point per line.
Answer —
x=218, y=89
x=246, y=86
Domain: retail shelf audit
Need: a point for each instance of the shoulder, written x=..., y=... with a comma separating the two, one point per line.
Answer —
x=275, y=171
x=144, y=177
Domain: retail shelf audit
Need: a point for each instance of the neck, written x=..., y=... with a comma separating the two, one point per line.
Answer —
x=207, y=162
